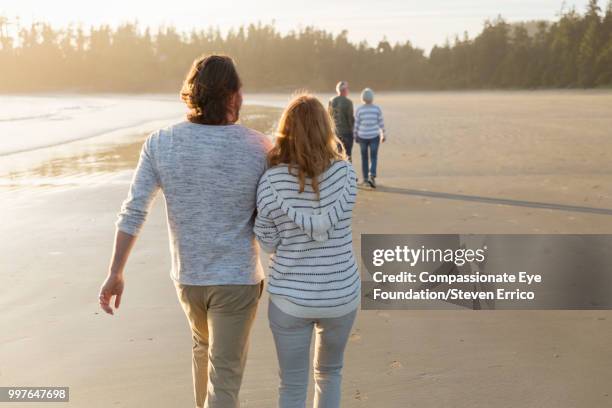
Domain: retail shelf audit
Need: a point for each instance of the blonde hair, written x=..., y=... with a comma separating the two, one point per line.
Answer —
x=306, y=140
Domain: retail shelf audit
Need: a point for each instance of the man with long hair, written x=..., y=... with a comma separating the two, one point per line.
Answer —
x=208, y=168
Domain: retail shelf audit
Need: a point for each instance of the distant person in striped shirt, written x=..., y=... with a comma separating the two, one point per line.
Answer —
x=340, y=108
x=369, y=133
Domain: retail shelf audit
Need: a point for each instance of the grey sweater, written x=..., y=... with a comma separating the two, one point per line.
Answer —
x=340, y=109
x=208, y=175
x=313, y=271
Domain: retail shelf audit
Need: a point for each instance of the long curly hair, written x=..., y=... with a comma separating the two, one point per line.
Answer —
x=306, y=140
x=208, y=89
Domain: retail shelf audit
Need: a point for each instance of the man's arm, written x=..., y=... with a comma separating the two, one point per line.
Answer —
x=356, y=126
x=350, y=119
x=114, y=283
x=134, y=210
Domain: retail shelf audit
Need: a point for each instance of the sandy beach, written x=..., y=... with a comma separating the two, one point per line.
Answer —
x=473, y=162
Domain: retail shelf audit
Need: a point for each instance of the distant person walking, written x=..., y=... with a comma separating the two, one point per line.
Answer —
x=304, y=217
x=369, y=133
x=341, y=110
x=208, y=168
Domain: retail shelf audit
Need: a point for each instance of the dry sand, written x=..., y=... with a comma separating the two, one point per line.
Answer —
x=455, y=162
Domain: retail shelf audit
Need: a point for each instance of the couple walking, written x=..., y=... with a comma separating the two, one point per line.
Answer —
x=228, y=192
x=366, y=127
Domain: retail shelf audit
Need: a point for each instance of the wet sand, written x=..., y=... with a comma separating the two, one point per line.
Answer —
x=471, y=162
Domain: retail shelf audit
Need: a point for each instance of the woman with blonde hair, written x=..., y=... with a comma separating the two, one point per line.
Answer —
x=304, y=203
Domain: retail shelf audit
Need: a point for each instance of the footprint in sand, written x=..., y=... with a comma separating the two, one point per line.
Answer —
x=395, y=365
x=355, y=336
x=359, y=396
x=384, y=315
x=428, y=376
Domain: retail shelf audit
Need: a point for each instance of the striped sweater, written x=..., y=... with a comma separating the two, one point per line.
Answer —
x=369, y=122
x=313, y=271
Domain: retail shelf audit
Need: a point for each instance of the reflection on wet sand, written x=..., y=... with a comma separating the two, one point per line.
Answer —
x=77, y=162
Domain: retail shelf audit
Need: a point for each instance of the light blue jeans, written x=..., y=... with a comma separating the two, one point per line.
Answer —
x=292, y=336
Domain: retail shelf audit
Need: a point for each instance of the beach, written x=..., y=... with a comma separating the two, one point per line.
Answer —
x=455, y=162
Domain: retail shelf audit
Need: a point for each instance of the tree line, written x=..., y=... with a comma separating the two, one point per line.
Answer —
x=574, y=51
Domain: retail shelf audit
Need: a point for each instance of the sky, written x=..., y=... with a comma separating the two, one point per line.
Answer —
x=423, y=22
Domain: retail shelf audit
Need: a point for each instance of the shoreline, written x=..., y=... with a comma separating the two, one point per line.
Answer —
x=126, y=130
x=273, y=100
x=122, y=132
x=13, y=164
x=288, y=91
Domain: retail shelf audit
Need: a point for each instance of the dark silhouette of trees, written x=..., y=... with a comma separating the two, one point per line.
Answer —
x=575, y=51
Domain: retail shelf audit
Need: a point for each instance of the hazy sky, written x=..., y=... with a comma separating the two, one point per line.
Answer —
x=425, y=23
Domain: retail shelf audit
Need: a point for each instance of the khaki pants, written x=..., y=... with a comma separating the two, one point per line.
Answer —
x=220, y=318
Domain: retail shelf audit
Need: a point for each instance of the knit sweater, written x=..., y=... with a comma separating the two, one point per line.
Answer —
x=313, y=272
x=208, y=176
x=369, y=122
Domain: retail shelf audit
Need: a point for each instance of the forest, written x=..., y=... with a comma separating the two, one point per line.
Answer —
x=574, y=51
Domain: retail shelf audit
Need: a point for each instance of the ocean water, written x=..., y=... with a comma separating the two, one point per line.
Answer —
x=29, y=122
x=33, y=122
x=71, y=140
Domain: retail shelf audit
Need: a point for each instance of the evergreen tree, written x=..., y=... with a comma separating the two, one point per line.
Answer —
x=589, y=46
x=574, y=51
x=603, y=62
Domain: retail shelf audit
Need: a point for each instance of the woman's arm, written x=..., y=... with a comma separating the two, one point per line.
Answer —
x=265, y=229
x=266, y=233
x=381, y=125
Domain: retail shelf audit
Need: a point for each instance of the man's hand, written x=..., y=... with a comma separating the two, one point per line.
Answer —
x=112, y=286
x=382, y=138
